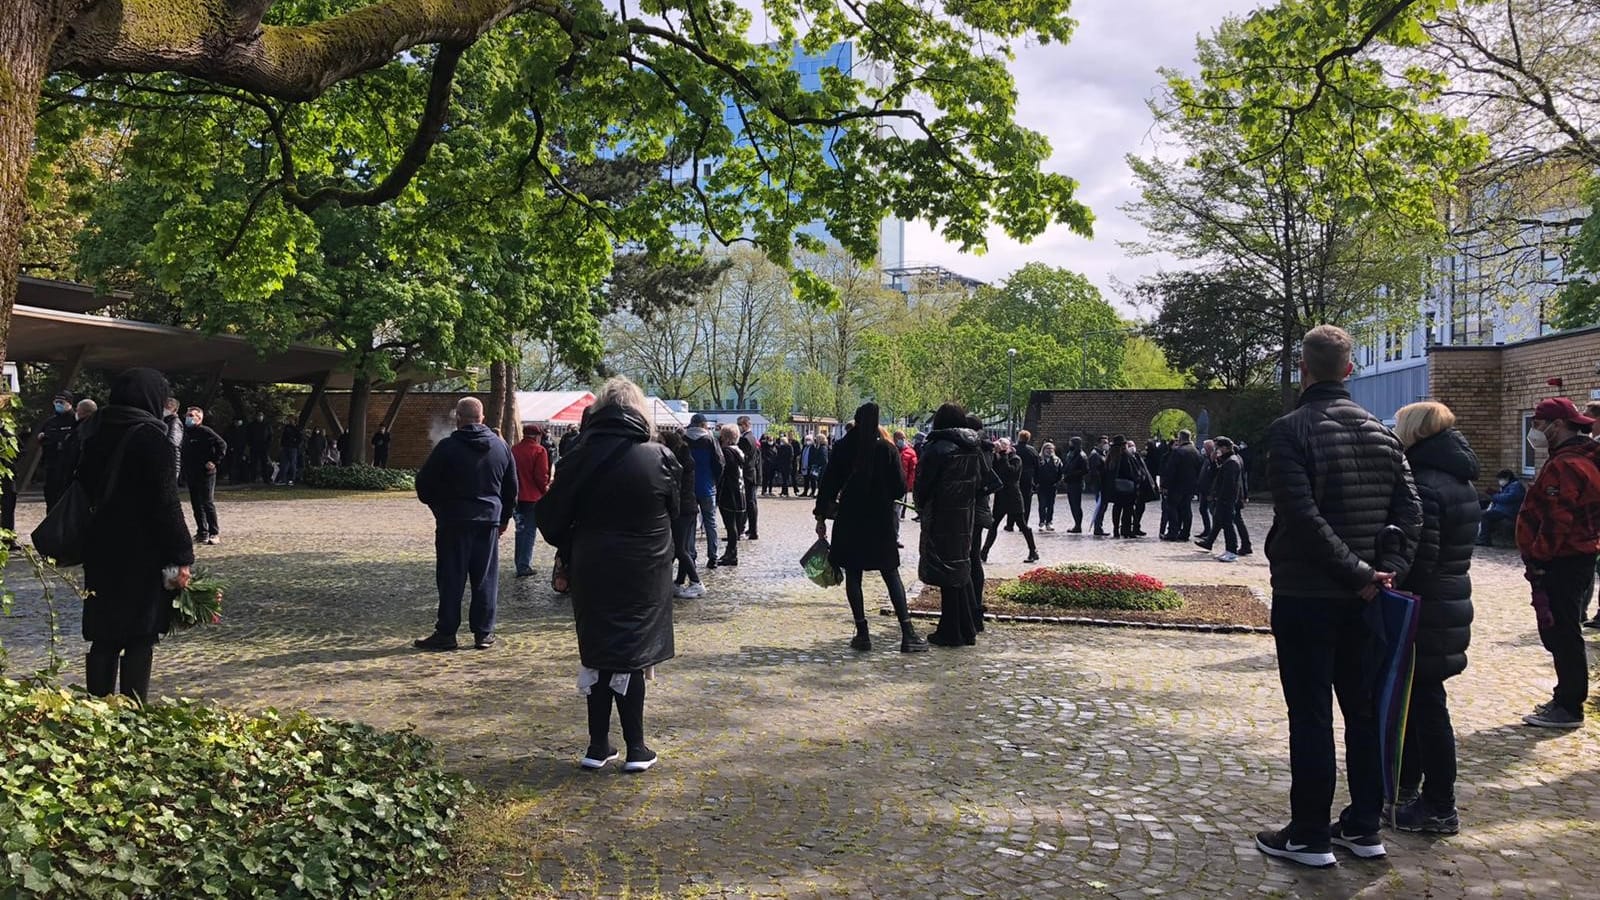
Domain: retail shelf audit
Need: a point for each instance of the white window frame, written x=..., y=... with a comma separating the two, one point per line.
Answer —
x=1529, y=455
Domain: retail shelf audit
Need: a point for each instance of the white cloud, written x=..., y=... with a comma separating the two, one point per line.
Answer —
x=1089, y=98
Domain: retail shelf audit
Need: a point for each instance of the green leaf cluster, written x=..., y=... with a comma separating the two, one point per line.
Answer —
x=1578, y=304
x=360, y=478
x=101, y=798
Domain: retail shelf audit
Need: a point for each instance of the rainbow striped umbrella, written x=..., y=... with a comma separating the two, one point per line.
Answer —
x=1393, y=617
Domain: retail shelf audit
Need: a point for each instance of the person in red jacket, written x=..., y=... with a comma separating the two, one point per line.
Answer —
x=908, y=465
x=1558, y=535
x=533, y=479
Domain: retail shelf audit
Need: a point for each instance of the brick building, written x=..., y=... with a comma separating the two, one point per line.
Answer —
x=1058, y=416
x=421, y=421
x=1493, y=390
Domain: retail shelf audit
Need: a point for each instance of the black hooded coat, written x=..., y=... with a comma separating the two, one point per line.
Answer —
x=948, y=480
x=1444, y=467
x=864, y=536
x=139, y=528
x=609, y=513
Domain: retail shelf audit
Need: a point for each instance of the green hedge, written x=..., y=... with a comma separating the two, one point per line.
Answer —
x=360, y=478
x=104, y=799
x=1089, y=586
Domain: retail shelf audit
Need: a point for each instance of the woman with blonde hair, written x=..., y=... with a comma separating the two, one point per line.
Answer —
x=1444, y=467
x=609, y=514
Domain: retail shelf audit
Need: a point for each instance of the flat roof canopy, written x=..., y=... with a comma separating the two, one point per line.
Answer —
x=65, y=296
x=54, y=336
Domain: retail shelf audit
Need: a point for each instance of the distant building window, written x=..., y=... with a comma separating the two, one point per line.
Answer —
x=705, y=170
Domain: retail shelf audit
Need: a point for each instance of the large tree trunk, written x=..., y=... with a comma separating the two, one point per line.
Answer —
x=499, y=385
x=509, y=426
x=356, y=422
x=1286, y=364
x=26, y=35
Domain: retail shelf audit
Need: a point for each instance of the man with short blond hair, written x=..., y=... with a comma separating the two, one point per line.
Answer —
x=470, y=483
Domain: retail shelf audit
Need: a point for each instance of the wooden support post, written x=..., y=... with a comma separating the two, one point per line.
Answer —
x=333, y=417
x=70, y=368
x=212, y=386
x=318, y=390
x=401, y=389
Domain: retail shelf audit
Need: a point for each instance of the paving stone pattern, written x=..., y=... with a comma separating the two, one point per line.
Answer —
x=1046, y=762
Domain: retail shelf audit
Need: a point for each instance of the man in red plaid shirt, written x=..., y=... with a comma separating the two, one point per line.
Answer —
x=1558, y=534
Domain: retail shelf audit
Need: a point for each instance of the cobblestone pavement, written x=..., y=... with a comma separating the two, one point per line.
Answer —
x=1047, y=761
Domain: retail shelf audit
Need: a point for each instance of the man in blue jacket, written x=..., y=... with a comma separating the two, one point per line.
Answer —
x=707, y=455
x=1504, y=504
x=470, y=483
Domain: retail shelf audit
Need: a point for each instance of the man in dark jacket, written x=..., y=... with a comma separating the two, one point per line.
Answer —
x=1341, y=489
x=946, y=495
x=260, y=433
x=769, y=464
x=290, y=442
x=1097, y=483
x=1074, y=469
x=707, y=475
x=1202, y=486
x=1029, y=480
x=203, y=451
x=1227, y=480
x=470, y=483
x=783, y=459
x=1180, y=473
x=53, y=435
x=1558, y=535
x=381, y=439
x=567, y=440
x=752, y=474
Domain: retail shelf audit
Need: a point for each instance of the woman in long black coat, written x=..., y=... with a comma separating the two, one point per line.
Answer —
x=138, y=531
x=609, y=513
x=864, y=479
x=731, y=499
x=1444, y=467
x=1121, y=484
x=982, y=514
x=1009, y=504
x=946, y=495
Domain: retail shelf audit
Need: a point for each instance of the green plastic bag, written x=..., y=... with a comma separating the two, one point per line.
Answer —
x=818, y=568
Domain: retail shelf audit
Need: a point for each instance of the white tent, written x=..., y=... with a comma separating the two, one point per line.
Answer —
x=663, y=416
x=552, y=407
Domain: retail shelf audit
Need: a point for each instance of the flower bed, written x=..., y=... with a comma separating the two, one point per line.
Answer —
x=1089, y=586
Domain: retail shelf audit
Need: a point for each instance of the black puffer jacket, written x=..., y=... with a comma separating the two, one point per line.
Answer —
x=610, y=514
x=139, y=528
x=1180, y=470
x=988, y=485
x=946, y=492
x=730, y=490
x=1029, y=458
x=1444, y=467
x=1338, y=479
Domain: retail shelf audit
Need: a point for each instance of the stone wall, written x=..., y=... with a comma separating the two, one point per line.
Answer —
x=1491, y=388
x=424, y=418
x=1059, y=416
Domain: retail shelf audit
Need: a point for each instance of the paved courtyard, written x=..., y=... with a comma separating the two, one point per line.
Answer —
x=1046, y=762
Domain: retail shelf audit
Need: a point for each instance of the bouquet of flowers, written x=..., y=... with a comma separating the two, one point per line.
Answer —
x=198, y=604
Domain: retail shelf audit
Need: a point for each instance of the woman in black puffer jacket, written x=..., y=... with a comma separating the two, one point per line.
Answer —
x=949, y=473
x=1444, y=467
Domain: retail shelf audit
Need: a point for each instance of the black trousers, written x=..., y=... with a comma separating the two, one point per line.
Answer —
x=1568, y=581
x=1239, y=526
x=683, y=546
x=1047, y=506
x=1122, y=518
x=1027, y=504
x=730, y=534
x=1180, y=515
x=748, y=518
x=8, y=503
x=1206, y=527
x=767, y=478
x=630, y=709
x=203, y=500
x=1075, y=504
x=467, y=553
x=1225, y=520
x=1428, y=758
x=1322, y=653
x=131, y=659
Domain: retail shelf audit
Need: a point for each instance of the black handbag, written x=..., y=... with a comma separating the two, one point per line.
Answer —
x=1123, y=487
x=65, y=528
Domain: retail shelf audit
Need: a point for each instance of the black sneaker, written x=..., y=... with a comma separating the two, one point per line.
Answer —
x=911, y=643
x=526, y=573
x=1204, y=545
x=1553, y=715
x=1421, y=816
x=1404, y=796
x=1365, y=846
x=435, y=641
x=596, y=757
x=483, y=641
x=1244, y=551
x=639, y=759
x=1279, y=844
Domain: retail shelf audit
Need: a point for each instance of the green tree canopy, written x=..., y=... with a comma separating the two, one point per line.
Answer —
x=1060, y=303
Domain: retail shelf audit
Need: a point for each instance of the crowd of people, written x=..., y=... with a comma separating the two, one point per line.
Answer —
x=1358, y=509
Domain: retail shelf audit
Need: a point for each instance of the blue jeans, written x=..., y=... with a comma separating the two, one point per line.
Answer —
x=525, y=535
x=708, y=521
x=290, y=468
x=467, y=553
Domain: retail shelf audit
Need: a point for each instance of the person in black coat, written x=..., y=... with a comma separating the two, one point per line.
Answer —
x=609, y=513
x=983, y=514
x=733, y=495
x=260, y=434
x=469, y=481
x=381, y=439
x=203, y=451
x=1074, y=471
x=1120, y=485
x=1008, y=501
x=1227, y=485
x=783, y=461
x=946, y=495
x=1101, y=484
x=858, y=490
x=769, y=464
x=1202, y=488
x=1046, y=479
x=53, y=436
x=1145, y=489
x=1444, y=467
x=1028, y=479
x=751, y=449
x=1180, y=473
x=137, y=538
x=687, y=581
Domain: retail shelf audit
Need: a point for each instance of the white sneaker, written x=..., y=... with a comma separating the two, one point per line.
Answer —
x=1228, y=558
x=692, y=591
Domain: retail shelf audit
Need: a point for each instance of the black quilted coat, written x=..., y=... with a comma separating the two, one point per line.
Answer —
x=610, y=511
x=946, y=492
x=861, y=495
x=1338, y=479
x=1444, y=467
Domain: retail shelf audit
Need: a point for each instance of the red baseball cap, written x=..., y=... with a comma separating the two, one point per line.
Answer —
x=1558, y=409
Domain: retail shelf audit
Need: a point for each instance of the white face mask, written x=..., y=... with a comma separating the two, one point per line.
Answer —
x=1537, y=439
x=1504, y=482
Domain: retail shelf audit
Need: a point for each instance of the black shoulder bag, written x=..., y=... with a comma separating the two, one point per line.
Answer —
x=65, y=529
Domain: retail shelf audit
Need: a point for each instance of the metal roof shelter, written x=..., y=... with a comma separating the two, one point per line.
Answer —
x=545, y=407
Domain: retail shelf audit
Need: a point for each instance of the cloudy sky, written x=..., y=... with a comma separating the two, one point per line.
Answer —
x=1089, y=98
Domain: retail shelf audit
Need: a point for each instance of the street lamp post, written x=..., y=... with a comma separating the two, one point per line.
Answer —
x=1011, y=415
